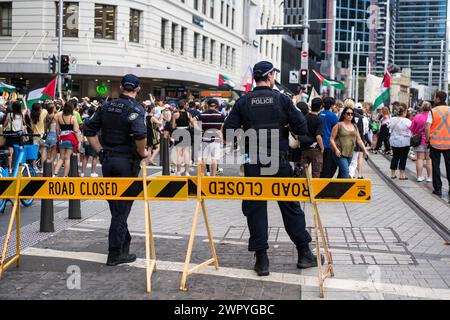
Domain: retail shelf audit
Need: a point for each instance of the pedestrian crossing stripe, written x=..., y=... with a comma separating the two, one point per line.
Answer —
x=96, y=189
x=282, y=189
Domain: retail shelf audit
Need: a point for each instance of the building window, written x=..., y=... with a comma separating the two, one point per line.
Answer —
x=70, y=19
x=211, y=12
x=135, y=21
x=272, y=51
x=163, y=32
x=5, y=19
x=267, y=48
x=233, y=59
x=105, y=21
x=173, y=36
x=196, y=4
x=261, y=44
x=204, y=7
x=228, y=13
x=196, y=37
x=211, y=51
x=222, y=4
x=183, y=39
x=227, y=57
x=222, y=48
x=233, y=12
x=204, y=42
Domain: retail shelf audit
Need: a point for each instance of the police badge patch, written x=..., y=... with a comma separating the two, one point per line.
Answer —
x=133, y=116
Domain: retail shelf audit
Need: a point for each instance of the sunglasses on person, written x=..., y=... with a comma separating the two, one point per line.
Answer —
x=349, y=113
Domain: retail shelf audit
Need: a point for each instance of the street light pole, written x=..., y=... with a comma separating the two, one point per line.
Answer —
x=430, y=79
x=60, y=45
x=440, y=65
x=358, y=50
x=305, y=44
x=333, y=46
x=387, y=38
x=350, y=64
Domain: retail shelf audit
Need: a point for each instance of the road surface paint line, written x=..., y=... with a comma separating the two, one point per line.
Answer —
x=286, y=278
x=365, y=253
x=81, y=229
x=160, y=236
x=134, y=234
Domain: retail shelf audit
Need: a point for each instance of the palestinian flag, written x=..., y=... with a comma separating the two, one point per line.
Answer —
x=385, y=92
x=249, y=83
x=225, y=80
x=47, y=93
x=328, y=82
x=6, y=87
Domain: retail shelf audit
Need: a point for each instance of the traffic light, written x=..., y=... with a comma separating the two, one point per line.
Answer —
x=66, y=83
x=303, y=76
x=52, y=64
x=65, y=63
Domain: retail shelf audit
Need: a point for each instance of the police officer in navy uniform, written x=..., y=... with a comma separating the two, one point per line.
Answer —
x=265, y=108
x=123, y=145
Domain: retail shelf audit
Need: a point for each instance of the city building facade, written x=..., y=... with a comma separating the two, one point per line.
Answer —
x=177, y=47
x=421, y=27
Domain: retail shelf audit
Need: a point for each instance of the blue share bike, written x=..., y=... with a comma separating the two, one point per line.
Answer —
x=22, y=153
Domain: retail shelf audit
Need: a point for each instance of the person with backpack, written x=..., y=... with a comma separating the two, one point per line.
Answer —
x=14, y=123
x=422, y=150
x=311, y=145
x=357, y=159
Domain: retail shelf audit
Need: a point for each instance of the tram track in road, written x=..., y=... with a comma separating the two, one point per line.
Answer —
x=424, y=214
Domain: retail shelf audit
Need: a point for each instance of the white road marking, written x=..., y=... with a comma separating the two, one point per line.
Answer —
x=365, y=253
x=160, y=236
x=287, y=278
x=81, y=229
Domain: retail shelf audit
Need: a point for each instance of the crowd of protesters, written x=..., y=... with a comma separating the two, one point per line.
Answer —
x=340, y=134
x=59, y=126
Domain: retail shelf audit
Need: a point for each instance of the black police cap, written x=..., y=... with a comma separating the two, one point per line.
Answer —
x=130, y=82
x=263, y=68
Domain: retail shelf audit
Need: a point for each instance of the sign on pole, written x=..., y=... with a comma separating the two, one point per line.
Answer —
x=293, y=77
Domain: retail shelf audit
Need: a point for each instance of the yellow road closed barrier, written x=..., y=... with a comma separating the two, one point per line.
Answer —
x=282, y=189
x=170, y=188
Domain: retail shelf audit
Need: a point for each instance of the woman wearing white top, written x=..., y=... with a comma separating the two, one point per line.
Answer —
x=400, y=143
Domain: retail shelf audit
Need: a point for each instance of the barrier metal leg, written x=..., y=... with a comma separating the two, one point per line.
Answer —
x=15, y=215
x=319, y=231
x=210, y=237
x=149, y=241
x=200, y=202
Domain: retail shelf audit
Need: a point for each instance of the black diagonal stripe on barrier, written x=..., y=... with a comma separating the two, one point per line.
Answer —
x=192, y=188
x=171, y=189
x=4, y=185
x=134, y=190
x=334, y=190
x=31, y=188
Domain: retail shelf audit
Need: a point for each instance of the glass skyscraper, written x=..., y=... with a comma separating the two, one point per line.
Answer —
x=348, y=13
x=421, y=26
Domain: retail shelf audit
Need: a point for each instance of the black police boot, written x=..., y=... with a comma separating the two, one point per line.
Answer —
x=116, y=259
x=306, y=259
x=262, y=263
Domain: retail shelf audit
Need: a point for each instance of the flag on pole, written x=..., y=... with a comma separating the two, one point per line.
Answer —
x=249, y=82
x=47, y=93
x=329, y=82
x=385, y=92
x=224, y=79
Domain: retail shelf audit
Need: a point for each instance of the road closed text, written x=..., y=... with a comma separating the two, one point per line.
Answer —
x=255, y=188
x=83, y=188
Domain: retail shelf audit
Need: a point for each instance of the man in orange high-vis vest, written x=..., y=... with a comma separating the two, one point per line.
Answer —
x=438, y=136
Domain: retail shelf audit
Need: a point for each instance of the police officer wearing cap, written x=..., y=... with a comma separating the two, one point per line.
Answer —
x=123, y=145
x=265, y=108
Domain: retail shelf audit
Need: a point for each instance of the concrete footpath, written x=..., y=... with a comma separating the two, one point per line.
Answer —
x=382, y=250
